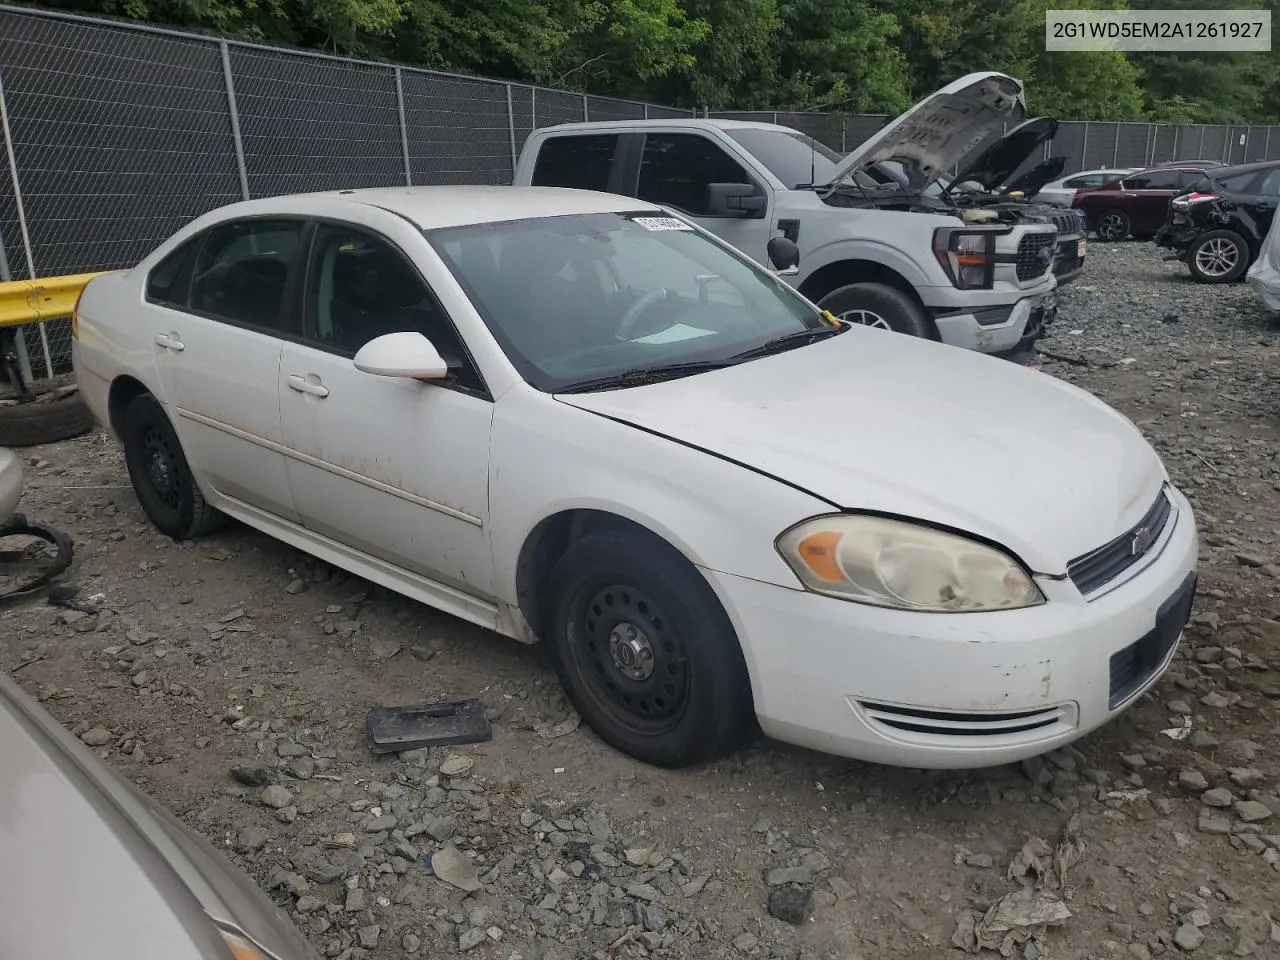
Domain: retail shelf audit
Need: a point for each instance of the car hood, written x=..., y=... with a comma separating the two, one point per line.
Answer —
x=994, y=166
x=877, y=421
x=941, y=130
x=139, y=884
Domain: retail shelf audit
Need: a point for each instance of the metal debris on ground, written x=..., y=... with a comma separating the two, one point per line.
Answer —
x=399, y=729
x=1022, y=918
x=560, y=728
x=63, y=552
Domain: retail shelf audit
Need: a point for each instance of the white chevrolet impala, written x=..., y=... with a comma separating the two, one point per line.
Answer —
x=573, y=418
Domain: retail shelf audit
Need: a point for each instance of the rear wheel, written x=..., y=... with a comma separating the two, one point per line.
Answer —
x=1219, y=256
x=879, y=305
x=645, y=651
x=160, y=474
x=1113, y=226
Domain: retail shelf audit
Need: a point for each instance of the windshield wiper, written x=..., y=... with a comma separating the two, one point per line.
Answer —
x=641, y=375
x=788, y=341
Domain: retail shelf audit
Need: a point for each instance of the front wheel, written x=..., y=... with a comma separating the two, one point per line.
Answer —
x=161, y=475
x=1219, y=256
x=878, y=305
x=645, y=651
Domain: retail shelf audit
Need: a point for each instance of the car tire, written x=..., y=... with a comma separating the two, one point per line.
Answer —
x=50, y=418
x=161, y=477
x=879, y=305
x=1113, y=226
x=646, y=652
x=1219, y=256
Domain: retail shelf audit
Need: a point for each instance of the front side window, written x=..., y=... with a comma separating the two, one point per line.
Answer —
x=676, y=170
x=582, y=162
x=793, y=157
x=243, y=269
x=360, y=287
x=580, y=298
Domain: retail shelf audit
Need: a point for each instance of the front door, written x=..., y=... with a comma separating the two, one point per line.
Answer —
x=218, y=306
x=677, y=168
x=396, y=469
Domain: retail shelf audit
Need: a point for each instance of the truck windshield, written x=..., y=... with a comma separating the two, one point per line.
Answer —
x=574, y=300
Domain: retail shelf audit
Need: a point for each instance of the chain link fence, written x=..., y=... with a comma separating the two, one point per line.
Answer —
x=117, y=134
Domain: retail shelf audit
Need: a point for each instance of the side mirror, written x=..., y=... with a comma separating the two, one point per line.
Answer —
x=735, y=200
x=784, y=255
x=407, y=355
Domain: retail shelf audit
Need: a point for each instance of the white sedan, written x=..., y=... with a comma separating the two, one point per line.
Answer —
x=1062, y=191
x=572, y=417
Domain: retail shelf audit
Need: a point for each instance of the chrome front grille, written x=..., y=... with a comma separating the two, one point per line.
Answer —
x=1035, y=255
x=1099, y=567
x=1068, y=223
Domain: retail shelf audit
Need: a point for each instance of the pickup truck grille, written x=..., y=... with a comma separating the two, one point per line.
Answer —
x=1035, y=255
x=1069, y=223
x=1101, y=566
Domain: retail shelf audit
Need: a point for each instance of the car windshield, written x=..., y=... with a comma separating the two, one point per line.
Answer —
x=576, y=300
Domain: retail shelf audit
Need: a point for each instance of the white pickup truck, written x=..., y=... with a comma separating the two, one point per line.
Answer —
x=892, y=252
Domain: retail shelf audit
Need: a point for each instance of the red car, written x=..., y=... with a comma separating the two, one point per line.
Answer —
x=1138, y=205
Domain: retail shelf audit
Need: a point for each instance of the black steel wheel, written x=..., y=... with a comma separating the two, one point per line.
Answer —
x=161, y=477
x=645, y=651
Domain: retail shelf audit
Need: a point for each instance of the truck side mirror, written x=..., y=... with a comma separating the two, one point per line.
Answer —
x=784, y=255
x=735, y=200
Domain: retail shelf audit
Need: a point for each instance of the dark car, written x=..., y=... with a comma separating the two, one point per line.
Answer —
x=1137, y=205
x=1218, y=227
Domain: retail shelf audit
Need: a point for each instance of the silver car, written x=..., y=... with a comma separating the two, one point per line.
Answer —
x=91, y=867
x=1063, y=190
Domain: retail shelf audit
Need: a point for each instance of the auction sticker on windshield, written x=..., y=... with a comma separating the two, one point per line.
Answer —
x=661, y=223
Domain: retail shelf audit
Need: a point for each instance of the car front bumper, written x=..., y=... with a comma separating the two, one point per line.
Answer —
x=949, y=691
x=10, y=483
x=1068, y=260
x=998, y=330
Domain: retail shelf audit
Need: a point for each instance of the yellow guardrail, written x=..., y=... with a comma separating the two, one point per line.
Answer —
x=46, y=298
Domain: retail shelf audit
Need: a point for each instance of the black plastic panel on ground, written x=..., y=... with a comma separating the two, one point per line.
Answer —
x=311, y=123
x=120, y=137
x=458, y=129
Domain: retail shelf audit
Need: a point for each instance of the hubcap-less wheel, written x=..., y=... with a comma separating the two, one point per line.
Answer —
x=632, y=660
x=866, y=318
x=161, y=469
x=1217, y=257
x=1112, y=227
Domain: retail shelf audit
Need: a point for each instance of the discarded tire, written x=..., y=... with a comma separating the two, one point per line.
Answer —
x=51, y=417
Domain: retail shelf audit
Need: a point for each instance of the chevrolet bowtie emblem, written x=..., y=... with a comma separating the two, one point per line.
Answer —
x=1142, y=541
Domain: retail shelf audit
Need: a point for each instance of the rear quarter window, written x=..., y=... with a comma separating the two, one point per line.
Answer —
x=582, y=162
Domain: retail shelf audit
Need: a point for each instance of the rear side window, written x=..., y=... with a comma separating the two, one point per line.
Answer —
x=243, y=269
x=1156, y=180
x=170, y=280
x=582, y=162
x=1239, y=182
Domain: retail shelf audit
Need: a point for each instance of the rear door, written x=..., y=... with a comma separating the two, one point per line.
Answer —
x=221, y=305
x=1147, y=197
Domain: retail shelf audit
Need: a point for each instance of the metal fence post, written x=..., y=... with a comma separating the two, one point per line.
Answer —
x=533, y=108
x=1148, y=152
x=511, y=130
x=1266, y=146
x=20, y=341
x=1200, y=149
x=404, y=126
x=1084, y=146
x=24, y=362
x=1115, y=149
x=586, y=114
x=235, y=118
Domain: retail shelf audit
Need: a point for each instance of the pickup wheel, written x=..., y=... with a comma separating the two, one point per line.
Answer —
x=1113, y=226
x=1219, y=256
x=646, y=652
x=879, y=305
x=161, y=477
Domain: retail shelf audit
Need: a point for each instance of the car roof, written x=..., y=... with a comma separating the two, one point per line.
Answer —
x=1254, y=167
x=694, y=123
x=431, y=208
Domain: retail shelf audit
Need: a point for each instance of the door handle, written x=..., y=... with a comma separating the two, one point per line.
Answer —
x=170, y=341
x=303, y=385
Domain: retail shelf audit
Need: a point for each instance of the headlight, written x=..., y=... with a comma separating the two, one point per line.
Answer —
x=967, y=256
x=891, y=563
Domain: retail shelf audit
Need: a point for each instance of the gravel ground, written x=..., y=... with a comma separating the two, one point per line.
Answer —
x=229, y=679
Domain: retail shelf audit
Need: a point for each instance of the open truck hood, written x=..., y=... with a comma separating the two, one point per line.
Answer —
x=941, y=131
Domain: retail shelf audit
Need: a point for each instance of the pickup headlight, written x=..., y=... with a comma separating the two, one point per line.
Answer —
x=967, y=256
x=892, y=563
